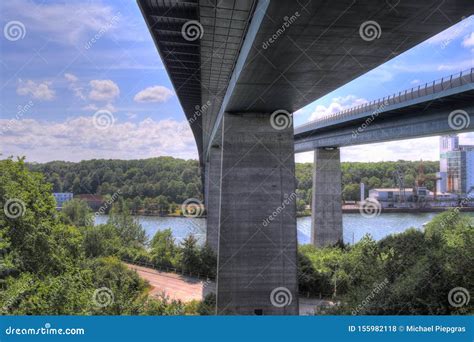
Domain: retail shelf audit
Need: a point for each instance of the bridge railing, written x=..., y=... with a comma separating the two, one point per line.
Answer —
x=376, y=106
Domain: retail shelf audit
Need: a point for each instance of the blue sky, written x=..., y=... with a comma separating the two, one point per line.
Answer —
x=73, y=59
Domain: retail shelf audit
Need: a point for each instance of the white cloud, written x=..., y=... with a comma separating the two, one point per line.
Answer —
x=453, y=32
x=70, y=77
x=73, y=84
x=91, y=107
x=154, y=94
x=37, y=90
x=413, y=149
x=103, y=90
x=457, y=66
x=77, y=139
x=415, y=82
x=468, y=40
x=71, y=23
x=337, y=104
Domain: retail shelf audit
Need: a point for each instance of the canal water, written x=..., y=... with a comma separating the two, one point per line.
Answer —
x=355, y=226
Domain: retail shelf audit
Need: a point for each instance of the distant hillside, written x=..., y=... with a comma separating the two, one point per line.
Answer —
x=175, y=180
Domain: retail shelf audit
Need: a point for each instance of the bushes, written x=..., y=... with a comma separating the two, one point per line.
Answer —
x=408, y=273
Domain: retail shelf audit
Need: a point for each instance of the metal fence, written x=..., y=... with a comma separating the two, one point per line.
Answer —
x=452, y=81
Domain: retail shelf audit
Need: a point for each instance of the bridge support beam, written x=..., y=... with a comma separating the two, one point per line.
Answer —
x=326, y=223
x=257, y=265
x=213, y=193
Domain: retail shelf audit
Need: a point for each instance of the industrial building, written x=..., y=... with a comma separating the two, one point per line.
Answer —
x=62, y=197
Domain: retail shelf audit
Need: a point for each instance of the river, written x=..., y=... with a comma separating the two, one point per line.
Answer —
x=355, y=226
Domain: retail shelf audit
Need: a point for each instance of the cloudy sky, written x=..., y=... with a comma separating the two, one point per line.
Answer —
x=63, y=63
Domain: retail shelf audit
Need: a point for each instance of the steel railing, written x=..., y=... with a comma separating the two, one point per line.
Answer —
x=437, y=86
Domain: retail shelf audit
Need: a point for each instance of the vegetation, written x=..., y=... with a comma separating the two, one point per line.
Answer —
x=59, y=264
x=409, y=273
x=160, y=185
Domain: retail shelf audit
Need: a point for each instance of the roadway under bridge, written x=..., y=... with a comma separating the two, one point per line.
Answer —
x=238, y=67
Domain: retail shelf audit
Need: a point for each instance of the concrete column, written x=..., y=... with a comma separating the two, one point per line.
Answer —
x=326, y=223
x=257, y=265
x=213, y=184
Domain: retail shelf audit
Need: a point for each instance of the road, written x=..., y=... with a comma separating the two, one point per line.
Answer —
x=186, y=288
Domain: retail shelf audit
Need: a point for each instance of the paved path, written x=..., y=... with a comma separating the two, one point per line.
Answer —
x=187, y=288
x=174, y=285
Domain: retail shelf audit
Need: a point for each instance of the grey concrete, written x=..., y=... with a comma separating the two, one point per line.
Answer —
x=326, y=223
x=305, y=49
x=419, y=112
x=213, y=193
x=257, y=241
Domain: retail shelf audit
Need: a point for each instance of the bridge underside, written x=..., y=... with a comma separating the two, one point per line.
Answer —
x=424, y=119
x=229, y=82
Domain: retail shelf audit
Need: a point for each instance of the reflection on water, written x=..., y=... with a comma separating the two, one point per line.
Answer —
x=355, y=226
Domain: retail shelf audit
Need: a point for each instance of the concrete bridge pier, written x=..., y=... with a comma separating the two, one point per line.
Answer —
x=213, y=192
x=257, y=265
x=326, y=223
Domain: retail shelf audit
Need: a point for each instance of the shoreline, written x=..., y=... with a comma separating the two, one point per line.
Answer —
x=350, y=210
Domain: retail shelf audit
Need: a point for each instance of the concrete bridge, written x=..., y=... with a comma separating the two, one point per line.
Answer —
x=444, y=106
x=239, y=67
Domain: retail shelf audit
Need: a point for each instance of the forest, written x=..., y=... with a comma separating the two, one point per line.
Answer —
x=162, y=184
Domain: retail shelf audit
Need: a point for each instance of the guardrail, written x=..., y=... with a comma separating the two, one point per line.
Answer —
x=437, y=86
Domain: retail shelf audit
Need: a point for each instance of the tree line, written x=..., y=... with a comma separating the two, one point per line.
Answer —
x=160, y=185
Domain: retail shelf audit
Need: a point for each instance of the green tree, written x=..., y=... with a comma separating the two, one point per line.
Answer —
x=77, y=213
